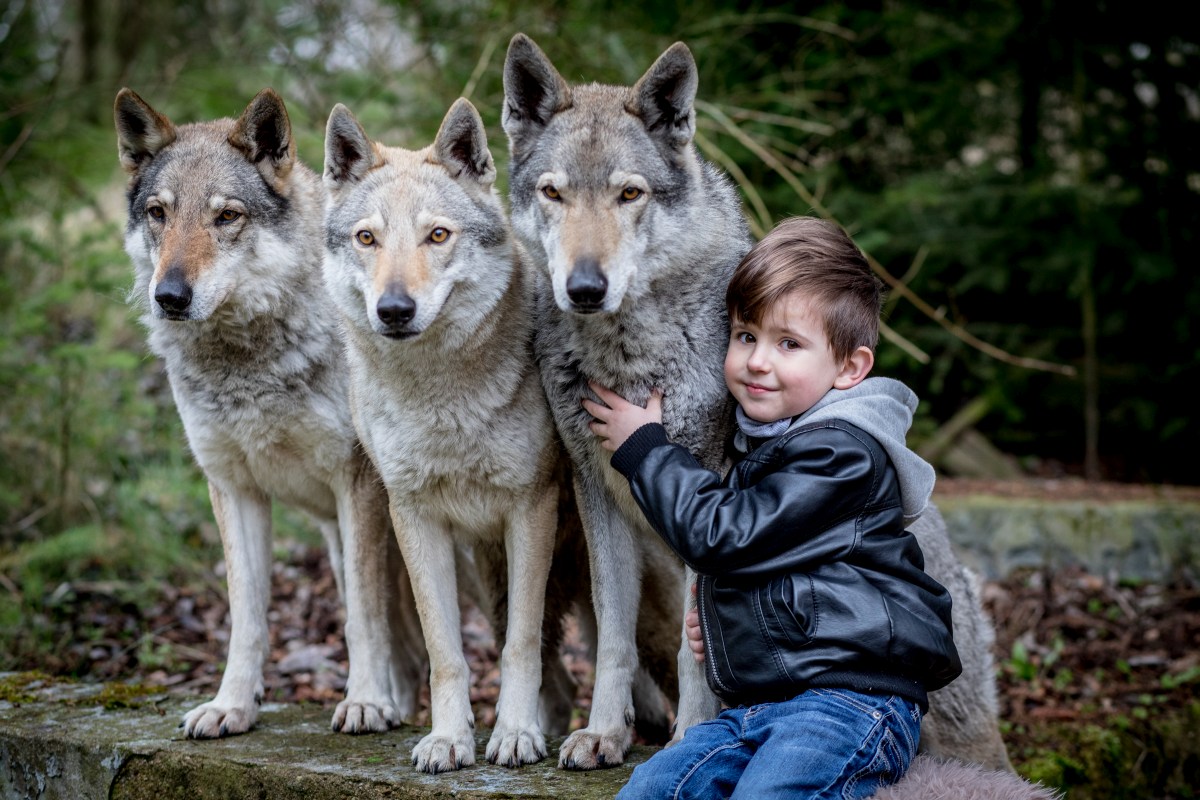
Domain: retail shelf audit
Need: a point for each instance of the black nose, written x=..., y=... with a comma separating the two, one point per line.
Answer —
x=395, y=310
x=587, y=285
x=173, y=294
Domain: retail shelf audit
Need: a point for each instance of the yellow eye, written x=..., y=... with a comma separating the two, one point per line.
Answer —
x=631, y=193
x=228, y=215
x=365, y=238
x=156, y=212
x=439, y=235
x=551, y=192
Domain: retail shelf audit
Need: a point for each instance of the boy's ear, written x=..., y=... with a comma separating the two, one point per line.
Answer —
x=855, y=369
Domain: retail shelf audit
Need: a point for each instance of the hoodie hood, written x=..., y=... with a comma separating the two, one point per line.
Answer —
x=883, y=408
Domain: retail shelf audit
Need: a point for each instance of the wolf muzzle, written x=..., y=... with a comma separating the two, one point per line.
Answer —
x=587, y=286
x=395, y=310
x=173, y=294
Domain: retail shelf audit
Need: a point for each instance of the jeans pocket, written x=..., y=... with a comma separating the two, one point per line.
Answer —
x=884, y=767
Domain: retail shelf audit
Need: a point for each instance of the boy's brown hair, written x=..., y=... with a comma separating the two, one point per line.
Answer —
x=820, y=260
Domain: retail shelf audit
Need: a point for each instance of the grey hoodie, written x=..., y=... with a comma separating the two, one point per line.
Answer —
x=884, y=408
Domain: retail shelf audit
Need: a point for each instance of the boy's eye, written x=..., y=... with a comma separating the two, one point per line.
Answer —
x=745, y=337
x=790, y=344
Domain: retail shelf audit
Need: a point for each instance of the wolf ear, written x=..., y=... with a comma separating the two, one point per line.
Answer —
x=461, y=144
x=264, y=134
x=665, y=96
x=349, y=154
x=533, y=89
x=141, y=131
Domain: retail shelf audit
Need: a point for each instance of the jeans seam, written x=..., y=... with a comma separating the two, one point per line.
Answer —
x=698, y=764
x=866, y=709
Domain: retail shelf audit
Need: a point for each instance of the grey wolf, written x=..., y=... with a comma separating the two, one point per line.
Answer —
x=434, y=299
x=814, y=606
x=635, y=238
x=224, y=232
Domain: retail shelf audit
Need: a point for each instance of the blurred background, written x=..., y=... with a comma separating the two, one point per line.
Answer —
x=1026, y=172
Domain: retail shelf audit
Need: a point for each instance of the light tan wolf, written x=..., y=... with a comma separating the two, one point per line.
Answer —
x=634, y=237
x=224, y=232
x=447, y=401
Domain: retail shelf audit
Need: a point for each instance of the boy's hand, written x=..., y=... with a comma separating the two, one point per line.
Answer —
x=691, y=626
x=691, y=629
x=617, y=419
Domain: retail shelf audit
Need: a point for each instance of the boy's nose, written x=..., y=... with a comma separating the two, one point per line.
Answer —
x=758, y=361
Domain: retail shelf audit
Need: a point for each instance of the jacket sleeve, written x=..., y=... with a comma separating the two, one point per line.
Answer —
x=820, y=477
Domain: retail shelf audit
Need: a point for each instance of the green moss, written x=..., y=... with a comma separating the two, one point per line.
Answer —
x=16, y=688
x=1126, y=758
x=117, y=695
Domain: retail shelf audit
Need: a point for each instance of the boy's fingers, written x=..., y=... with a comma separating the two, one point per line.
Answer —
x=598, y=411
x=605, y=394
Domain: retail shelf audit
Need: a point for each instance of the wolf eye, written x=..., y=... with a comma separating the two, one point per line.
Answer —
x=365, y=238
x=439, y=235
x=156, y=212
x=551, y=193
x=631, y=193
x=228, y=215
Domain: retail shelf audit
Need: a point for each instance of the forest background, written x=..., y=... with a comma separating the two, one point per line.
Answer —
x=1025, y=172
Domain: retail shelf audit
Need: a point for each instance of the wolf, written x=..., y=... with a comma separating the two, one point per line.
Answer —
x=433, y=297
x=635, y=238
x=224, y=233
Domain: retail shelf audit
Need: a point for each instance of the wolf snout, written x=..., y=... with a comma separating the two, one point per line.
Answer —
x=395, y=310
x=587, y=286
x=173, y=294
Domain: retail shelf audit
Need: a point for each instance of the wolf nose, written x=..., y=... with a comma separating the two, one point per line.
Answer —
x=396, y=309
x=173, y=294
x=587, y=285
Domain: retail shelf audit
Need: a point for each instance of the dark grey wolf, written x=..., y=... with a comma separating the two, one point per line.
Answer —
x=635, y=237
x=224, y=232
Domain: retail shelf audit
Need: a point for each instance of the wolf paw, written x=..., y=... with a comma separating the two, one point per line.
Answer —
x=212, y=721
x=436, y=753
x=352, y=716
x=512, y=746
x=584, y=749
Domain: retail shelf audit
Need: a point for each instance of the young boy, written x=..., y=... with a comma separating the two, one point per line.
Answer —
x=821, y=632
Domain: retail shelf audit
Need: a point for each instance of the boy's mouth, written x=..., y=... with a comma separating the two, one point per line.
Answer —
x=757, y=388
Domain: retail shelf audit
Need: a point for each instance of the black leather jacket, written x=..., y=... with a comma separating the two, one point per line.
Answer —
x=807, y=576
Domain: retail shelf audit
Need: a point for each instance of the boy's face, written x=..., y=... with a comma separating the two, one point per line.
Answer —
x=782, y=366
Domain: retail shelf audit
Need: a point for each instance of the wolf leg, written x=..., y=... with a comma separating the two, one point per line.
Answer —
x=428, y=551
x=616, y=591
x=363, y=519
x=331, y=533
x=529, y=542
x=244, y=519
x=697, y=703
x=409, y=661
x=963, y=718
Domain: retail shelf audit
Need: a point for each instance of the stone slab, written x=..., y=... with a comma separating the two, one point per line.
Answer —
x=1129, y=540
x=65, y=749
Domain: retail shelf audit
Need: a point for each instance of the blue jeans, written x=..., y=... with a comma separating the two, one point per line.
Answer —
x=825, y=743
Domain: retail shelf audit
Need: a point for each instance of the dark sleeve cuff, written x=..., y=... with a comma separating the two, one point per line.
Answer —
x=630, y=454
